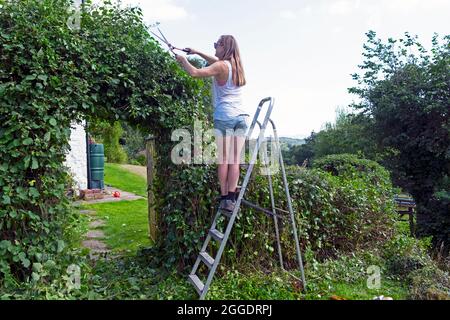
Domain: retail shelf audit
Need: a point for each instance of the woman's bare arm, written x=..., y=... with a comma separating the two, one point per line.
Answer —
x=208, y=58
x=211, y=71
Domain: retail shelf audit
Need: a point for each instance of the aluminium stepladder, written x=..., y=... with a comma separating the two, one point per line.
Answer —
x=212, y=263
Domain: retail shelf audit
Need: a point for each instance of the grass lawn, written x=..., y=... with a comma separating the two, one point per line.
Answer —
x=118, y=177
x=126, y=226
x=360, y=291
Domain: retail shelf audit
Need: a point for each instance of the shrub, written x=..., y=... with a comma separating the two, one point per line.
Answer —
x=141, y=160
x=404, y=254
x=334, y=214
x=407, y=259
x=113, y=150
x=429, y=283
x=340, y=214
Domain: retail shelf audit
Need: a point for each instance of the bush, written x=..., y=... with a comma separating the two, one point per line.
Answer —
x=335, y=214
x=339, y=214
x=435, y=217
x=134, y=140
x=407, y=258
x=345, y=202
x=113, y=150
x=404, y=254
x=429, y=283
x=141, y=160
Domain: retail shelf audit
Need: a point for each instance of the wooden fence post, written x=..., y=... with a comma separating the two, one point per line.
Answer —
x=152, y=216
x=412, y=228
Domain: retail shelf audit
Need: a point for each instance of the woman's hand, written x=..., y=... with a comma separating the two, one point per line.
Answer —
x=190, y=51
x=181, y=59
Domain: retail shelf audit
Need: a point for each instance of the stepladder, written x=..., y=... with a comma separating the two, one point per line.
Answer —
x=217, y=237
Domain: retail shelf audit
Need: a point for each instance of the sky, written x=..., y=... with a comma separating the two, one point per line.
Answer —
x=301, y=52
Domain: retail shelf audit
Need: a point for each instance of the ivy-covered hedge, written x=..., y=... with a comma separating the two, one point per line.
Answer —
x=51, y=75
x=336, y=213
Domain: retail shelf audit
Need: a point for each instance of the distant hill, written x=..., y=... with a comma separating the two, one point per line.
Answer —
x=285, y=142
x=291, y=141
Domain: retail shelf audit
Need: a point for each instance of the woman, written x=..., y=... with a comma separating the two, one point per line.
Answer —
x=230, y=120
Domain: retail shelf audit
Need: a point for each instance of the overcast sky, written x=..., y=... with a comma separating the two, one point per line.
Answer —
x=300, y=52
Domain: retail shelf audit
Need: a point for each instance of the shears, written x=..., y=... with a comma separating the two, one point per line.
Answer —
x=164, y=39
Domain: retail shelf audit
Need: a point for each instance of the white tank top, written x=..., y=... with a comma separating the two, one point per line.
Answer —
x=227, y=98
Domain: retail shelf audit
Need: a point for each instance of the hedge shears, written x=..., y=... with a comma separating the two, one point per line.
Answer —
x=164, y=39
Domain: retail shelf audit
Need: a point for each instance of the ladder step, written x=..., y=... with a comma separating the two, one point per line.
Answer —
x=216, y=234
x=254, y=206
x=207, y=259
x=226, y=213
x=198, y=284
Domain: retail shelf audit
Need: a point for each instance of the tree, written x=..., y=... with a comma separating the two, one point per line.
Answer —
x=109, y=135
x=299, y=153
x=349, y=134
x=405, y=94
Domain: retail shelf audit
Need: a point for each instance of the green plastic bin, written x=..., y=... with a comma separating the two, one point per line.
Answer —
x=97, y=164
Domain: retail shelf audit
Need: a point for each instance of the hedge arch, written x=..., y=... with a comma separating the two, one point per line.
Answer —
x=51, y=75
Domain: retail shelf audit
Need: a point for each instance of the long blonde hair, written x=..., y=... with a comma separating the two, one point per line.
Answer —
x=231, y=53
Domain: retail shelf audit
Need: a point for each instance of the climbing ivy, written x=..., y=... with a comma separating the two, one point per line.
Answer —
x=52, y=75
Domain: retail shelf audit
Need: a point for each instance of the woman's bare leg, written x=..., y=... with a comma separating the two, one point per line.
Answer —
x=223, y=143
x=234, y=161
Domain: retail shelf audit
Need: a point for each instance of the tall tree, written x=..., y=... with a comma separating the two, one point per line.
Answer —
x=405, y=93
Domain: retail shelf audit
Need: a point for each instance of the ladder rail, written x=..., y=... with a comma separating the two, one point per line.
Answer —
x=212, y=263
x=241, y=194
x=205, y=244
x=272, y=202
x=291, y=211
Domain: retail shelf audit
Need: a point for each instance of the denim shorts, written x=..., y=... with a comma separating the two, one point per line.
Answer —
x=234, y=127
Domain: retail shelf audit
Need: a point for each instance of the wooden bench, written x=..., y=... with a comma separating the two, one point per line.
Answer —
x=406, y=206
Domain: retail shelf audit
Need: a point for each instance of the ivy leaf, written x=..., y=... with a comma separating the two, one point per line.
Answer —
x=30, y=77
x=6, y=199
x=21, y=193
x=34, y=164
x=52, y=121
x=61, y=246
x=5, y=244
x=27, y=141
x=35, y=276
x=33, y=192
x=37, y=267
x=26, y=162
x=43, y=77
x=26, y=263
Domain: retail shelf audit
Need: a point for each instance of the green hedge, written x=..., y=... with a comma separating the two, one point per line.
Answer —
x=335, y=213
x=50, y=76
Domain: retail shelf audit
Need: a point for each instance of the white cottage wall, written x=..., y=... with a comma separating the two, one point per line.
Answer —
x=76, y=158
